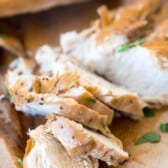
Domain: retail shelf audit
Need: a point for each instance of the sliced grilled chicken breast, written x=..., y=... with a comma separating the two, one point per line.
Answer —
x=82, y=96
x=151, y=82
x=94, y=46
x=71, y=135
x=31, y=102
x=44, y=151
x=101, y=49
x=110, y=94
x=56, y=85
x=74, y=137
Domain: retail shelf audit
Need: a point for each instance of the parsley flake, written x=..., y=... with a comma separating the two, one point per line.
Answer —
x=148, y=112
x=105, y=123
x=126, y=47
x=151, y=137
x=90, y=100
x=19, y=161
x=164, y=127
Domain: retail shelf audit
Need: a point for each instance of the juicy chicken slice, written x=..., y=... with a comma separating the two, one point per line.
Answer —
x=99, y=49
x=71, y=135
x=28, y=100
x=74, y=137
x=108, y=93
x=68, y=86
x=82, y=96
x=94, y=46
x=44, y=151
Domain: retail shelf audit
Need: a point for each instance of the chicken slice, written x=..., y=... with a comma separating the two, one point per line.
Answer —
x=132, y=21
x=74, y=137
x=71, y=135
x=100, y=50
x=32, y=102
x=94, y=46
x=56, y=85
x=44, y=151
x=108, y=93
x=67, y=86
x=82, y=96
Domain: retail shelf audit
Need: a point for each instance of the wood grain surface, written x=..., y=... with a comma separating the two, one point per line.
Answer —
x=45, y=28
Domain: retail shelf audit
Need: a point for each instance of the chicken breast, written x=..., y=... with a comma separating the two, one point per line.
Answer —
x=151, y=83
x=82, y=96
x=110, y=94
x=71, y=135
x=93, y=46
x=74, y=137
x=33, y=102
x=44, y=151
x=102, y=49
x=68, y=86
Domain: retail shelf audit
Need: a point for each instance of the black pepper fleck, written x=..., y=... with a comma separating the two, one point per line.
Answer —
x=28, y=100
x=31, y=89
x=20, y=73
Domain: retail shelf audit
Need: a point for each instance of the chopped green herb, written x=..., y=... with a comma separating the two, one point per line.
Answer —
x=19, y=161
x=3, y=35
x=105, y=123
x=164, y=127
x=148, y=112
x=151, y=137
x=166, y=36
x=90, y=99
x=125, y=47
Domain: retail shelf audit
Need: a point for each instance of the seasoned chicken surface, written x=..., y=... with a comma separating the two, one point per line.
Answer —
x=27, y=99
x=77, y=141
x=106, y=49
x=74, y=137
x=82, y=96
x=71, y=135
x=44, y=151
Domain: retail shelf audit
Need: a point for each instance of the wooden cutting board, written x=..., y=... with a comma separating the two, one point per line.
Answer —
x=45, y=28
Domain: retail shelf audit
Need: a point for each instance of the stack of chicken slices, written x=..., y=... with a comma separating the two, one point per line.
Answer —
x=79, y=104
